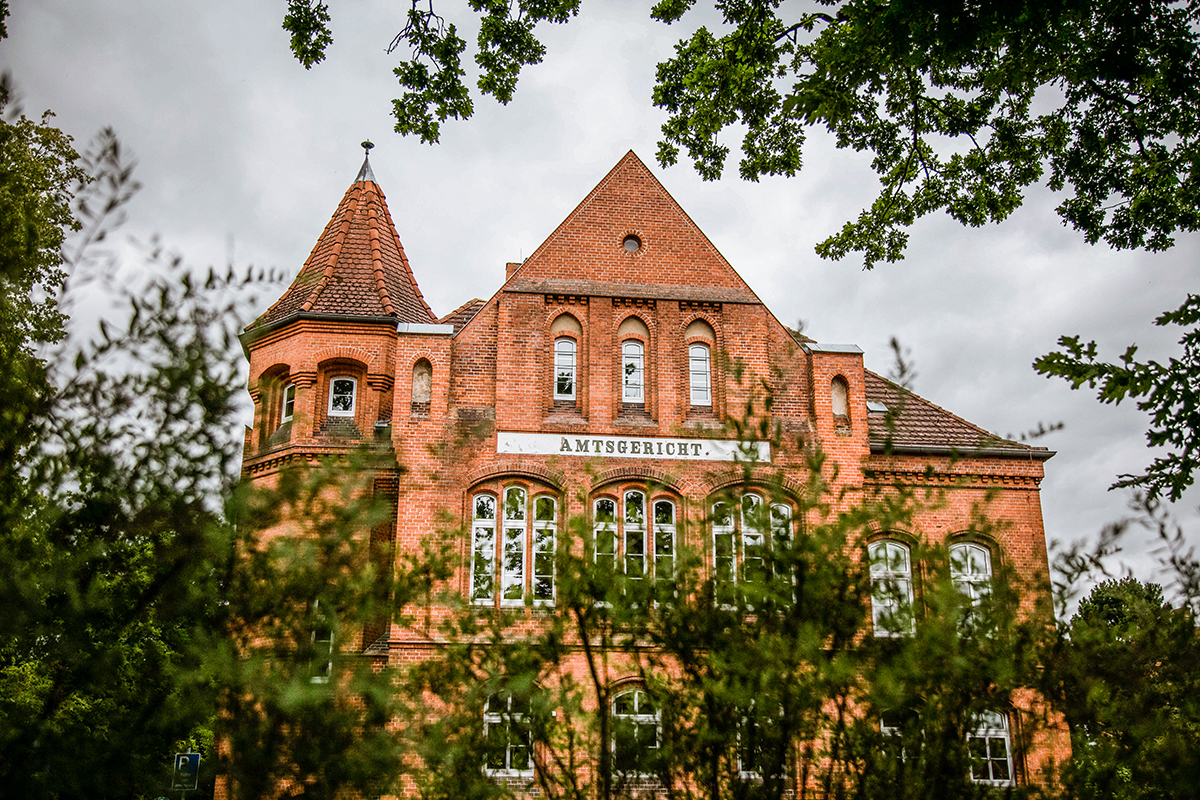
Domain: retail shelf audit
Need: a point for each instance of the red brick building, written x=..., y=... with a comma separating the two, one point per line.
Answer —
x=594, y=381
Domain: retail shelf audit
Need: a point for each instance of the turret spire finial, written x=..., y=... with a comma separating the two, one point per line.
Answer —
x=365, y=174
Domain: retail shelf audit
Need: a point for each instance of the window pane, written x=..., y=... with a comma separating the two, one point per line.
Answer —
x=513, y=579
x=341, y=396
x=632, y=375
x=289, y=402
x=698, y=375
x=483, y=553
x=514, y=504
x=564, y=368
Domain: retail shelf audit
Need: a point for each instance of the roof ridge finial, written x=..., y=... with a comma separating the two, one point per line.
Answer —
x=365, y=174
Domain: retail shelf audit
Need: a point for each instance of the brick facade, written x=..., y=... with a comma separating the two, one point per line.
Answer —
x=481, y=415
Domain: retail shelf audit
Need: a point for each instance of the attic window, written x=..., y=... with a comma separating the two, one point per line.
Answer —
x=632, y=243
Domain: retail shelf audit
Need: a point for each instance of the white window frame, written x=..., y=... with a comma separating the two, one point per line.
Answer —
x=971, y=570
x=891, y=587
x=992, y=727
x=633, y=533
x=506, y=719
x=639, y=721
x=515, y=512
x=353, y=396
x=665, y=540
x=288, y=409
x=483, y=549
x=748, y=529
x=633, y=371
x=545, y=535
x=700, y=377
x=565, y=366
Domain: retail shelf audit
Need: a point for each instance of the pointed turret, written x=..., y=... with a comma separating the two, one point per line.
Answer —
x=358, y=267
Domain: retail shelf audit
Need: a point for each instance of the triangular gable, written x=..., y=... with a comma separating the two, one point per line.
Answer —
x=587, y=248
x=357, y=267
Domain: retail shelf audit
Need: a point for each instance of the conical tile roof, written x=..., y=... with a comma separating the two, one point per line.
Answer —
x=358, y=267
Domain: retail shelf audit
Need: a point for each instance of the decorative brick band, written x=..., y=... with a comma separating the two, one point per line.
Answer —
x=688, y=306
x=886, y=477
x=566, y=300
x=637, y=472
x=633, y=302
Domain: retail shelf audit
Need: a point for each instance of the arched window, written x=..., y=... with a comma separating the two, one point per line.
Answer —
x=506, y=736
x=545, y=526
x=512, y=567
x=632, y=372
x=741, y=540
x=625, y=537
x=483, y=550
x=699, y=375
x=635, y=733
x=971, y=570
x=422, y=388
x=891, y=588
x=343, y=395
x=839, y=397
x=990, y=750
x=564, y=368
x=520, y=561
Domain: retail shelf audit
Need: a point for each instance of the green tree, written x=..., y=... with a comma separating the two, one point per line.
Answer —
x=1169, y=393
x=1126, y=676
x=961, y=106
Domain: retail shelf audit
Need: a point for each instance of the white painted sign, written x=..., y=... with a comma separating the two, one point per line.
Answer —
x=564, y=444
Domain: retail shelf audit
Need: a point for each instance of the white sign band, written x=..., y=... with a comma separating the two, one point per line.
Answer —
x=543, y=444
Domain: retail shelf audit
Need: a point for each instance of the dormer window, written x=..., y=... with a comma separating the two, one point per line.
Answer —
x=342, y=393
x=289, y=403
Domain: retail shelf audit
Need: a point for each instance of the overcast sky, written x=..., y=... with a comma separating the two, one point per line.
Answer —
x=241, y=150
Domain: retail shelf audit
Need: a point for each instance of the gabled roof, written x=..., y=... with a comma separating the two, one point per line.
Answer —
x=462, y=315
x=586, y=253
x=912, y=424
x=357, y=267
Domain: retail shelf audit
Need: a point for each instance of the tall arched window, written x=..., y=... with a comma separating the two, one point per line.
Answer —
x=891, y=588
x=740, y=541
x=971, y=570
x=699, y=375
x=631, y=538
x=520, y=559
x=422, y=388
x=839, y=397
x=635, y=733
x=564, y=368
x=632, y=372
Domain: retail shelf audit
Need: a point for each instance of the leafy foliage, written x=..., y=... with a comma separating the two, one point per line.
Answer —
x=1169, y=392
x=1127, y=681
x=962, y=106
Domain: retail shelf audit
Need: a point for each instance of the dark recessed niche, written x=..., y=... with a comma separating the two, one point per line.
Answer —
x=632, y=243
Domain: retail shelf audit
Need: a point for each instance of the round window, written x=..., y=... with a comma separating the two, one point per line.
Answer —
x=632, y=243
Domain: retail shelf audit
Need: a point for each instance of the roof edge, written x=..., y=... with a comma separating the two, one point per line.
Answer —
x=255, y=332
x=1028, y=453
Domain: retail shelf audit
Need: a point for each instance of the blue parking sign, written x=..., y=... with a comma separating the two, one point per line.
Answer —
x=187, y=771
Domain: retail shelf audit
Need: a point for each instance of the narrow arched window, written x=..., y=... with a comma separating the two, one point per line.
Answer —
x=422, y=387
x=891, y=588
x=635, y=733
x=512, y=568
x=483, y=550
x=839, y=397
x=635, y=534
x=700, y=375
x=971, y=570
x=545, y=524
x=564, y=368
x=632, y=373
